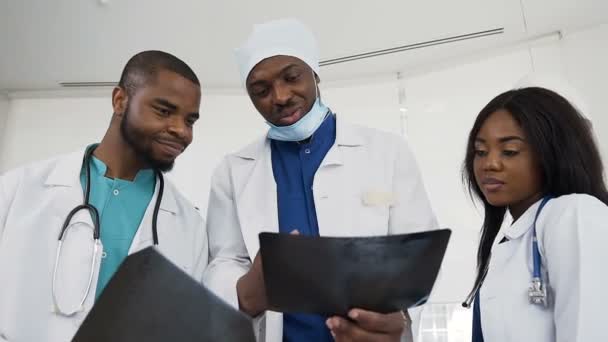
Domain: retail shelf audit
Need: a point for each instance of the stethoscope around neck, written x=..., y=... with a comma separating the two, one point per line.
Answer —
x=537, y=292
x=86, y=205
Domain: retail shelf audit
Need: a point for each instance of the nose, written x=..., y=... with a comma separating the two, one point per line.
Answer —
x=281, y=94
x=492, y=162
x=178, y=128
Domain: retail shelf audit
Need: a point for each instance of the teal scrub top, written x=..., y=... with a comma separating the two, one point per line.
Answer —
x=121, y=205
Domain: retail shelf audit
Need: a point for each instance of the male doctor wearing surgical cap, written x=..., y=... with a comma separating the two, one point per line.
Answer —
x=312, y=172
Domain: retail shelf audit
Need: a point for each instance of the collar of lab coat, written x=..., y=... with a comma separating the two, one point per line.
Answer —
x=67, y=173
x=346, y=135
x=523, y=224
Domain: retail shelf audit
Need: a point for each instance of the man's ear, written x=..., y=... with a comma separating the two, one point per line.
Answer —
x=119, y=100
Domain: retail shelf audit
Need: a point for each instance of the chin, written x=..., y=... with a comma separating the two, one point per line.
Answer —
x=497, y=201
x=288, y=121
x=162, y=164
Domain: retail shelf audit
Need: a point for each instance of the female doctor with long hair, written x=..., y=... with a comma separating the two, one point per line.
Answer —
x=544, y=276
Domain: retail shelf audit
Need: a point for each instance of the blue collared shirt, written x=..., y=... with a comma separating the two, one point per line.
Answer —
x=121, y=205
x=294, y=166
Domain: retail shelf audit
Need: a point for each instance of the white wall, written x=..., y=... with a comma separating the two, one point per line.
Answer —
x=442, y=106
x=38, y=128
x=584, y=56
x=3, y=116
x=580, y=58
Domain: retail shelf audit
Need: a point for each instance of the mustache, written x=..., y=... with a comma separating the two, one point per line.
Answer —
x=279, y=108
x=172, y=140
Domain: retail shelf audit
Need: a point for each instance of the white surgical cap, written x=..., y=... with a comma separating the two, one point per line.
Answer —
x=287, y=37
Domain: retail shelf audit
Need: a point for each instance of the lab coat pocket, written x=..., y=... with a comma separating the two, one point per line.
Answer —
x=377, y=198
x=371, y=212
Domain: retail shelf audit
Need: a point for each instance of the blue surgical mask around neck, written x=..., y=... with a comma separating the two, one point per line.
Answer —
x=303, y=128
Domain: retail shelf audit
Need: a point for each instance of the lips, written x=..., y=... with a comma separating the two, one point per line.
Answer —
x=492, y=184
x=288, y=115
x=171, y=147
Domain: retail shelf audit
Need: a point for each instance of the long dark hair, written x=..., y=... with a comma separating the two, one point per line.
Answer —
x=563, y=142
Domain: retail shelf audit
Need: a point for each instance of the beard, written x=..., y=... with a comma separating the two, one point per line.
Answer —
x=135, y=138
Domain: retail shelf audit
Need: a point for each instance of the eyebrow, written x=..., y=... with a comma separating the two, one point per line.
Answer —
x=261, y=82
x=503, y=139
x=257, y=83
x=288, y=67
x=165, y=103
x=173, y=107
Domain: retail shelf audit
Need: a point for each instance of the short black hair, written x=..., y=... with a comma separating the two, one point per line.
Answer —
x=562, y=140
x=144, y=66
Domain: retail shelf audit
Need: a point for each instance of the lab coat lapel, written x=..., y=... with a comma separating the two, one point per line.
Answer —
x=329, y=195
x=64, y=180
x=256, y=197
x=515, y=233
x=331, y=183
x=168, y=210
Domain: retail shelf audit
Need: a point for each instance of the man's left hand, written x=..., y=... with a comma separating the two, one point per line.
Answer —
x=367, y=326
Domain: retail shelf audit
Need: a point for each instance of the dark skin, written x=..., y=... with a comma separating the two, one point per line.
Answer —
x=157, y=119
x=506, y=169
x=369, y=326
x=283, y=89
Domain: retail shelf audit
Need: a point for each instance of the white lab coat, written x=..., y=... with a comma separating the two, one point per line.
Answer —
x=367, y=184
x=34, y=201
x=572, y=233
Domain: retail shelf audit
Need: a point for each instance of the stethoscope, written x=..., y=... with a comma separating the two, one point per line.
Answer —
x=537, y=292
x=96, y=233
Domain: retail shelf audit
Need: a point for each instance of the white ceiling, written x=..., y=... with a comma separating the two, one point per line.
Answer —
x=45, y=42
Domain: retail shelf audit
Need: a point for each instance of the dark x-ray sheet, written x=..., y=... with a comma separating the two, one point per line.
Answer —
x=329, y=275
x=150, y=299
